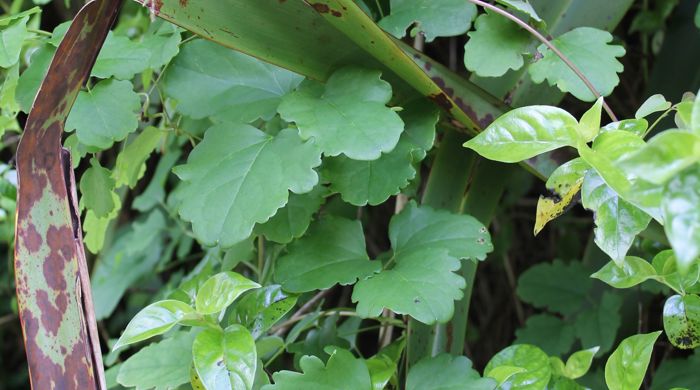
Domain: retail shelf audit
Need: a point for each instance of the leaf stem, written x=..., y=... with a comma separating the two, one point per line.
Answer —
x=549, y=44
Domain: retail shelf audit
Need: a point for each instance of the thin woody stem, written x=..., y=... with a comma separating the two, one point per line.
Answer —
x=547, y=43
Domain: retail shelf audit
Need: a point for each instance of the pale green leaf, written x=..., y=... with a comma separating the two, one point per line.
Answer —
x=525, y=132
x=550, y=333
x=422, y=284
x=371, y=182
x=30, y=80
x=634, y=126
x=589, y=49
x=333, y=251
x=105, y=114
x=617, y=221
x=628, y=273
x=655, y=103
x=12, y=36
x=496, y=46
x=444, y=18
x=219, y=291
x=120, y=58
x=342, y=370
x=578, y=364
x=162, y=41
x=557, y=286
x=627, y=365
x=420, y=227
x=131, y=160
x=225, y=359
x=532, y=359
x=96, y=188
x=682, y=216
x=589, y=125
x=208, y=79
x=455, y=373
x=348, y=115
x=239, y=176
x=153, y=320
x=567, y=176
x=161, y=366
x=292, y=220
x=682, y=320
x=664, y=156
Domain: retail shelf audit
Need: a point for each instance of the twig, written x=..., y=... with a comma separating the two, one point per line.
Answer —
x=547, y=43
x=282, y=328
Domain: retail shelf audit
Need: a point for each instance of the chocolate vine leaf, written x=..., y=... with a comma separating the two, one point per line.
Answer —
x=53, y=288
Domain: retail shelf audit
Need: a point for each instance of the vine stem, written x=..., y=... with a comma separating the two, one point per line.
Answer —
x=549, y=44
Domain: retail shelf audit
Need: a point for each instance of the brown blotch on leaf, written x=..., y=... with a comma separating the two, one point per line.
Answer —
x=321, y=8
x=32, y=238
x=441, y=100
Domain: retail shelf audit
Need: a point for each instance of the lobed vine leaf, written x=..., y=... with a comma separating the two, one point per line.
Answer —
x=342, y=367
x=433, y=19
x=456, y=373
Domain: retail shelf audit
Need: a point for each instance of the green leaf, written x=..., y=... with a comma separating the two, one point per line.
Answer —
x=589, y=50
x=421, y=227
x=579, y=363
x=105, y=114
x=292, y=220
x=532, y=359
x=229, y=86
x=12, y=36
x=597, y=326
x=664, y=156
x=433, y=19
x=96, y=188
x=239, y=176
x=342, y=369
x=666, y=266
x=523, y=6
x=567, y=176
x=589, y=125
x=695, y=113
x=548, y=332
x=617, y=221
x=627, y=365
x=131, y=160
x=630, y=272
x=682, y=320
x=225, y=359
x=682, y=216
x=675, y=372
x=422, y=284
x=260, y=309
x=162, y=365
x=420, y=118
x=525, y=132
x=635, y=126
x=219, y=291
x=120, y=58
x=455, y=373
x=348, y=115
x=382, y=366
x=30, y=80
x=557, y=286
x=496, y=46
x=156, y=318
x=162, y=40
x=371, y=182
x=655, y=103
x=333, y=251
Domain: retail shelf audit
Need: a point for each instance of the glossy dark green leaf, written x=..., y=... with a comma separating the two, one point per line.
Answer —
x=627, y=365
x=422, y=284
x=211, y=88
x=239, y=176
x=219, y=291
x=342, y=369
x=496, y=45
x=156, y=318
x=347, y=115
x=421, y=227
x=333, y=251
x=598, y=325
x=532, y=359
x=682, y=320
x=433, y=19
x=455, y=373
x=654, y=103
x=260, y=309
x=598, y=62
x=524, y=133
x=225, y=359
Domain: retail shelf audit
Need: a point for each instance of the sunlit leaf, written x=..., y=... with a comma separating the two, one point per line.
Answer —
x=682, y=320
x=219, y=291
x=156, y=318
x=627, y=365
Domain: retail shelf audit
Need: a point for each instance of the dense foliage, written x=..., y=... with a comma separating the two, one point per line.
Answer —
x=252, y=228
